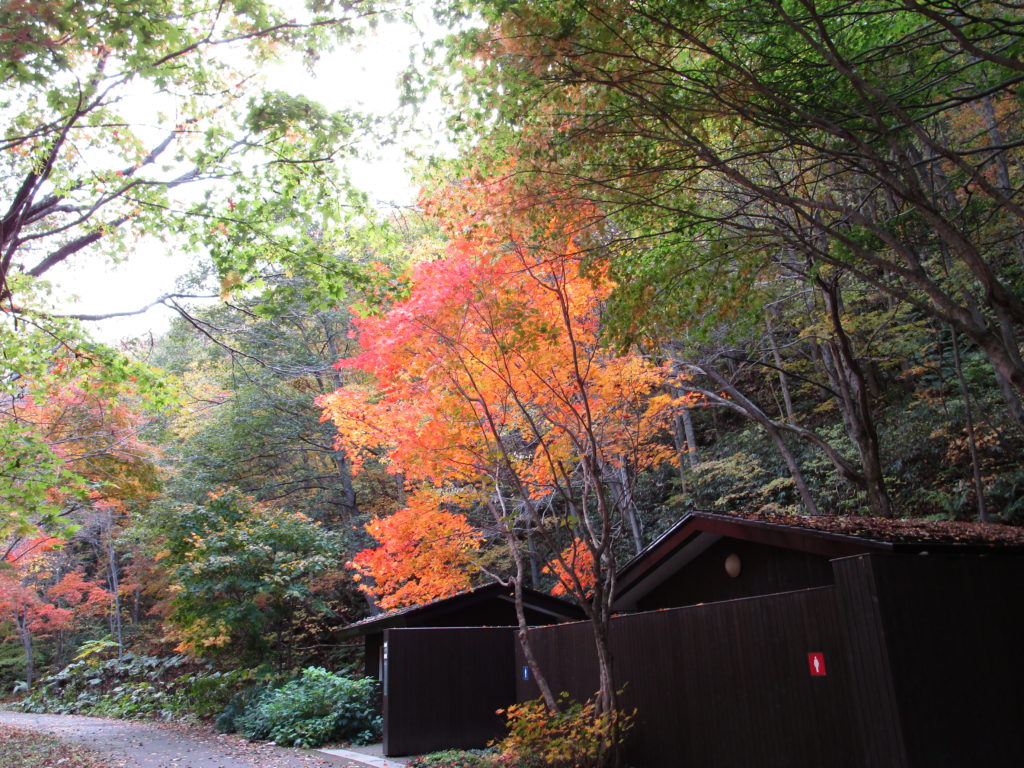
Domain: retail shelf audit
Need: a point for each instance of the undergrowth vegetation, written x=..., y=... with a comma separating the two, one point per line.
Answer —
x=135, y=686
x=577, y=736
x=457, y=758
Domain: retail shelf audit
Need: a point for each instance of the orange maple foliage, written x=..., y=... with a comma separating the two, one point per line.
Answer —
x=22, y=605
x=21, y=601
x=26, y=597
x=498, y=338
x=425, y=553
x=85, y=599
x=36, y=602
x=574, y=569
x=491, y=372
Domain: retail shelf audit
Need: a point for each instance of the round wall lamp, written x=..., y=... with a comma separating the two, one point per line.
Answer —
x=733, y=565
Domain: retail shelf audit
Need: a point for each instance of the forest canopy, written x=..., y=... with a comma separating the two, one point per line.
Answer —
x=744, y=257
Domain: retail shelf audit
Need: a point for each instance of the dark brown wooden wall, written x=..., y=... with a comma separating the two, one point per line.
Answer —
x=874, y=709
x=726, y=684
x=954, y=626
x=444, y=685
x=923, y=671
x=765, y=570
x=491, y=613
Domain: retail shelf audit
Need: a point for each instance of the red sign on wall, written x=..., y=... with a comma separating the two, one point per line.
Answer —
x=816, y=663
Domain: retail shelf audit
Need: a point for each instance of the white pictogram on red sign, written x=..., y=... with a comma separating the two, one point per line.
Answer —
x=816, y=663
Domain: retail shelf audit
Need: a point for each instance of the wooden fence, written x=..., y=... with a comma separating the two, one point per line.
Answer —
x=726, y=684
x=947, y=635
x=920, y=655
x=906, y=662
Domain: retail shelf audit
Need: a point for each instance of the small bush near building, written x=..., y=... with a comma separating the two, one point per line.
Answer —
x=575, y=737
x=314, y=709
x=232, y=718
x=456, y=758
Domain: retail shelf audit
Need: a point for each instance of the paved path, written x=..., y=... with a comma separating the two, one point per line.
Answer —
x=372, y=755
x=132, y=744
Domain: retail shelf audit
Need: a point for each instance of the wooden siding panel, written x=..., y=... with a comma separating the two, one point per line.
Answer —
x=443, y=687
x=765, y=570
x=725, y=684
x=874, y=708
x=953, y=630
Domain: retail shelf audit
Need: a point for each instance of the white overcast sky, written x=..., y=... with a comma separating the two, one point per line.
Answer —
x=364, y=78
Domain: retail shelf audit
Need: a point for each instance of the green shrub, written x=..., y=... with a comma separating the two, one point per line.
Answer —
x=252, y=721
x=231, y=717
x=316, y=708
x=135, y=700
x=456, y=758
x=205, y=694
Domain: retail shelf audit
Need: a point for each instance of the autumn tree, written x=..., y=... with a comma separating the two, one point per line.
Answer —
x=80, y=464
x=737, y=144
x=38, y=601
x=249, y=370
x=71, y=424
x=141, y=127
x=243, y=576
x=488, y=384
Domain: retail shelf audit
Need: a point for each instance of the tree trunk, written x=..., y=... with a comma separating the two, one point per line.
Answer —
x=691, y=438
x=344, y=468
x=601, y=616
x=787, y=399
x=794, y=471
x=682, y=458
x=623, y=488
x=965, y=394
x=115, y=590
x=59, y=648
x=522, y=633
x=533, y=555
x=25, y=635
x=848, y=379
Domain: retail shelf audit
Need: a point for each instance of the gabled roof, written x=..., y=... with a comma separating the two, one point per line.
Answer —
x=823, y=535
x=430, y=614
